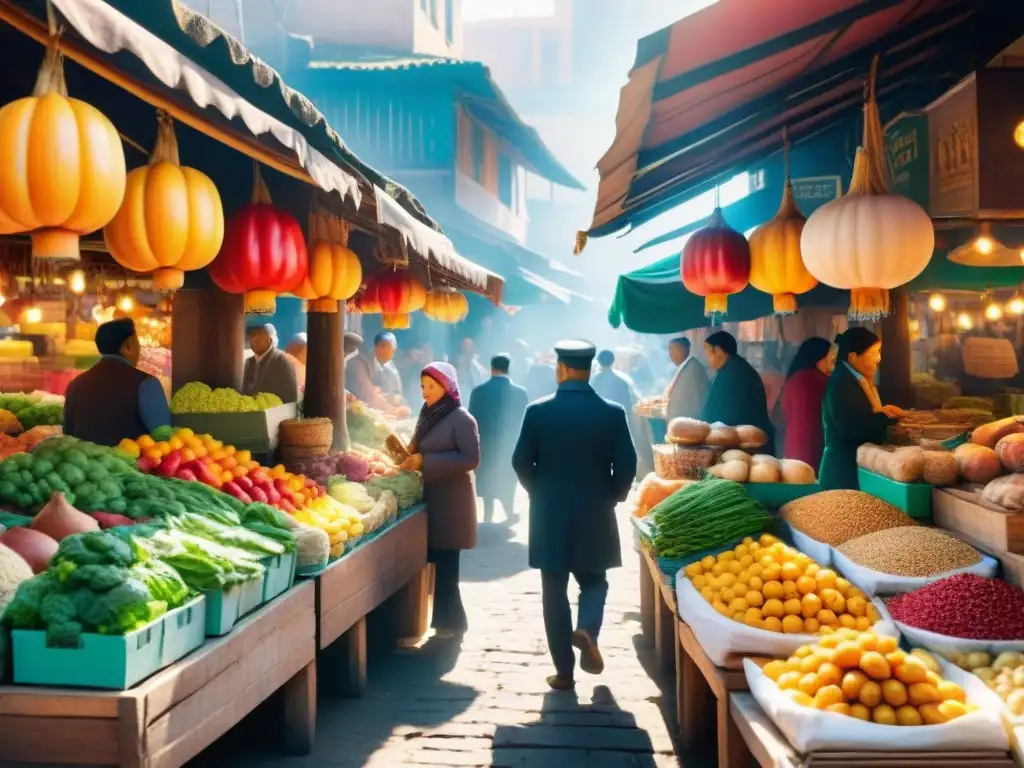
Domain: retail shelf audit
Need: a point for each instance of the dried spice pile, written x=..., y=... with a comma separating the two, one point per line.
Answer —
x=835, y=517
x=913, y=551
x=965, y=606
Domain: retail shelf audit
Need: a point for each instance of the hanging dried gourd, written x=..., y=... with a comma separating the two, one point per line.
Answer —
x=171, y=220
x=334, y=273
x=62, y=168
x=400, y=321
x=264, y=252
x=776, y=266
x=446, y=305
x=870, y=240
x=715, y=263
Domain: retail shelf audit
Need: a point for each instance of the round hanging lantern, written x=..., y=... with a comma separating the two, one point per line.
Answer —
x=715, y=263
x=400, y=321
x=334, y=273
x=63, y=166
x=776, y=266
x=171, y=220
x=870, y=240
x=446, y=305
x=367, y=302
x=394, y=293
x=417, y=295
x=264, y=253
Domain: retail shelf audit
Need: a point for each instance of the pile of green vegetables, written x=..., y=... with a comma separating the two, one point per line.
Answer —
x=407, y=487
x=33, y=411
x=704, y=515
x=96, y=583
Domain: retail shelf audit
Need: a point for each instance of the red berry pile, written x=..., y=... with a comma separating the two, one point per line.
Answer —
x=965, y=606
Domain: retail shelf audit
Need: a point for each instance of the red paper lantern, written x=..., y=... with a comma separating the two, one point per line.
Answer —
x=263, y=255
x=367, y=302
x=394, y=292
x=715, y=263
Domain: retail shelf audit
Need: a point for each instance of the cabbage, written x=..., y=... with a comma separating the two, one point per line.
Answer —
x=351, y=494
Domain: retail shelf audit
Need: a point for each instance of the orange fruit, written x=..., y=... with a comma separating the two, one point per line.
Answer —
x=894, y=693
x=239, y=471
x=830, y=674
x=912, y=670
x=176, y=443
x=870, y=694
x=772, y=623
x=852, y=682
x=860, y=712
x=187, y=454
x=827, y=696
x=908, y=716
x=811, y=626
x=883, y=714
x=806, y=585
x=810, y=605
x=146, y=441
x=792, y=625
x=244, y=457
x=792, y=607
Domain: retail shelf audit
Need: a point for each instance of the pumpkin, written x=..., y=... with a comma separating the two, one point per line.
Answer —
x=171, y=220
x=263, y=255
x=399, y=321
x=63, y=166
x=869, y=240
x=776, y=266
x=715, y=263
x=417, y=295
x=446, y=305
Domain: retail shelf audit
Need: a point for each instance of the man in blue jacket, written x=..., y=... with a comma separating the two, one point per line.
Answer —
x=576, y=460
x=498, y=406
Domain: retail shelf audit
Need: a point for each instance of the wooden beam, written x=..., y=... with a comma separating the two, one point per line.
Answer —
x=36, y=29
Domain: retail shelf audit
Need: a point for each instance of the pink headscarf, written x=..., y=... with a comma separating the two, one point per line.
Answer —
x=445, y=375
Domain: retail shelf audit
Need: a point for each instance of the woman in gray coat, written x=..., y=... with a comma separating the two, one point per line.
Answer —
x=446, y=449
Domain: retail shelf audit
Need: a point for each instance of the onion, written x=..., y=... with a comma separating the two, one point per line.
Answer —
x=35, y=548
x=58, y=519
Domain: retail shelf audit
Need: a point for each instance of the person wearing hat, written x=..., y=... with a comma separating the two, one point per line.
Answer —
x=737, y=395
x=687, y=392
x=364, y=372
x=576, y=461
x=498, y=406
x=114, y=400
x=615, y=386
x=384, y=347
x=269, y=369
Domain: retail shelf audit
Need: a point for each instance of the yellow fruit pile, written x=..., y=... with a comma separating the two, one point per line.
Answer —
x=769, y=585
x=868, y=677
x=339, y=521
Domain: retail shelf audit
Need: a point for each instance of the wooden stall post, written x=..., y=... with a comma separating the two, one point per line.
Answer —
x=325, y=371
x=894, y=374
x=209, y=337
x=299, y=701
x=647, y=588
x=411, y=606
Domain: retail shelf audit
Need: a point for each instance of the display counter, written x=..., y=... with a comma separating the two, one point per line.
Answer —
x=171, y=717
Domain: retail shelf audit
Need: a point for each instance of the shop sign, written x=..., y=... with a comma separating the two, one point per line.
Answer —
x=906, y=142
x=813, y=192
x=953, y=135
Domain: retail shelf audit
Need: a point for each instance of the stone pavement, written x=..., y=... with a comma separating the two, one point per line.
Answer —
x=488, y=704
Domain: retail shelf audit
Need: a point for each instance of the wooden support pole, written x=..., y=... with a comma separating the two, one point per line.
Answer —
x=665, y=637
x=325, y=372
x=894, y=372
x=349, y=658
x=209, y=338
x=411, y=606
x=299, y=702
x=647, y=597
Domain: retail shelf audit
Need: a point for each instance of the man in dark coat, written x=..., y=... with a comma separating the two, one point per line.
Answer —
x=269, y=369
x=576, y=460
x=498, y=406
x=114, y=399
x=737, y=395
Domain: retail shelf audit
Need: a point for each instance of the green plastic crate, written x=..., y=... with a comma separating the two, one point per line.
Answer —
x=251, y=596
x=115, y=662
x=184, y=630
x=913, y=498
x=222, y=610
x=280, y=575
x=775, y=495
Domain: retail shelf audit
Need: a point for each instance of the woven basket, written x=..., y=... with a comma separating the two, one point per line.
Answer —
x=306, y=433
x=684, y=462
x=290, y=454
x=987, y=358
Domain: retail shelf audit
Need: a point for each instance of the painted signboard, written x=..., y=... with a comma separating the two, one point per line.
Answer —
x=813, y=192
x=906, y=142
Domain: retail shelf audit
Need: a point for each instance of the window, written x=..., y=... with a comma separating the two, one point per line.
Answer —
x=506, y=180
x=433, y=13
x=449, y=20
x=477, y=146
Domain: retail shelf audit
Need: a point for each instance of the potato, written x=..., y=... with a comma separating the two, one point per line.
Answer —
x=765, y=473
x=797, y=472
x=731, y=470
x=735, y=454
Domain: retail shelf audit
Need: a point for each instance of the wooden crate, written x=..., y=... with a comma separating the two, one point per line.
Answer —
x=769, y=749
x=171, y=717
x=991, y=528
x=658, y=611
x=392, y=566
x=702, y=699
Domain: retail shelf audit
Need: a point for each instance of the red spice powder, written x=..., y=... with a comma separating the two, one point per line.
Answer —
x=965, y=606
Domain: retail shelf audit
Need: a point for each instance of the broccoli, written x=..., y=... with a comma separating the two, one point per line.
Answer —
x=58, y=613
x=96, y=548
x=23, y=612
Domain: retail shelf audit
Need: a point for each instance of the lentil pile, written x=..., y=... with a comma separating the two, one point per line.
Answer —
x=835, y=517
x=965, y=606
x=913, y=551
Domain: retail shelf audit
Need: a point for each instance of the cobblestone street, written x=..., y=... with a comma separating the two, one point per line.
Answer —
x=488, y=704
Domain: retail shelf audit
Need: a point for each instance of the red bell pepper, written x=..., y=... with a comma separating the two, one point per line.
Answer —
x=232, y=488
x=147, y=464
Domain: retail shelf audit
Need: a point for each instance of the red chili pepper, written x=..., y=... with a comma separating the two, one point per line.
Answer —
x=258, y=494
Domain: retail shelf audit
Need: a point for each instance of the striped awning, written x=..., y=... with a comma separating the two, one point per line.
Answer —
x=708, y=96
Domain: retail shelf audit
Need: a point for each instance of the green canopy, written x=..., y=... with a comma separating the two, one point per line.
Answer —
x=653, y=299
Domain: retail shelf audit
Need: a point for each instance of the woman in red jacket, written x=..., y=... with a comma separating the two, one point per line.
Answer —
x=802, y=396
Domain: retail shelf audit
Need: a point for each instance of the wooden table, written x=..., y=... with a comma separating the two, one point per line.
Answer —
x=702, y=699
x=658, y=612
x=169, y=718
x=769, y=749
x=391, y=567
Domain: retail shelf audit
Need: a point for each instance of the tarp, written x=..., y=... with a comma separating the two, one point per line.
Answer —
x=708, y=96
x=653, y=299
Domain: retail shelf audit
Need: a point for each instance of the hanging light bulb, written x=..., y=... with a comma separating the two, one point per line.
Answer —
x=964, y=321
x=125, y=302
x=937, y=302
x=984, y=244
x=1018, y=134
x=76, y=282
x=993, y=312
x=1015, y=306
x=984, y=250
x=33, y=315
